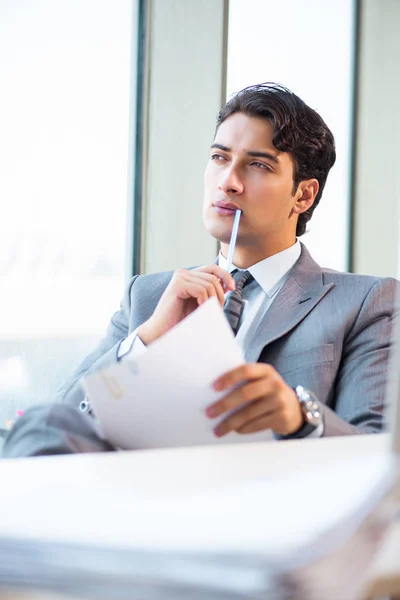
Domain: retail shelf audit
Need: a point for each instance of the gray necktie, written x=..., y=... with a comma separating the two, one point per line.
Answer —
x=234, y=300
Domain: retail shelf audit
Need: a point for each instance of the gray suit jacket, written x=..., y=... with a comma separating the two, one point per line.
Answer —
x=325, y=330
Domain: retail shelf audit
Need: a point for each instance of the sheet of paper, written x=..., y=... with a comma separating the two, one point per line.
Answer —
x=159, y=400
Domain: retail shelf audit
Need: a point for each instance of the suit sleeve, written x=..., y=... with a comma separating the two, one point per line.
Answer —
x=360, y=390
x=104, y=355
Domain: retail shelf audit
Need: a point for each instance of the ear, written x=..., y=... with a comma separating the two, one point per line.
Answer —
x=305, y=195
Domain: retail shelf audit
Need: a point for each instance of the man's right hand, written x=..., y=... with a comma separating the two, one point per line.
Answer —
x=186, y=291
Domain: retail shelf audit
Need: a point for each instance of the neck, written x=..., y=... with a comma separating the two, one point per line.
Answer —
x=245, y=256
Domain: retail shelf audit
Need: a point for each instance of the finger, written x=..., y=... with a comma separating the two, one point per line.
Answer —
x=249, y=392
x=246, y=372
x=205, y=283
x=213, y=280
x=198, y=291
x=242, y=418
x=225, y=277
x=263, y=423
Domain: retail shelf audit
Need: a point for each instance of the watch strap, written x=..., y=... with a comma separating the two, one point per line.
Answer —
x=305, y=430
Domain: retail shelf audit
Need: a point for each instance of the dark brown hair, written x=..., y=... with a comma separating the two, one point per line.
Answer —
x=297, y=129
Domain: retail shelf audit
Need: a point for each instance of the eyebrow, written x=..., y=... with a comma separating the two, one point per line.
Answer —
x=253, y=153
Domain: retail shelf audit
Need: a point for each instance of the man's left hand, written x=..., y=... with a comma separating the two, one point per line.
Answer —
x=264, y=401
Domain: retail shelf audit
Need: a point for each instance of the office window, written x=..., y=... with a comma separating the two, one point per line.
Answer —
x=65, y=80
x=307, y=46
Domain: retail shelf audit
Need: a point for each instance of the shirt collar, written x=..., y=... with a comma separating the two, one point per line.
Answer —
x=271, y=273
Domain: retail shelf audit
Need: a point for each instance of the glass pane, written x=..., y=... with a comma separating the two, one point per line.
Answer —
x=308, y=47
x=64, y=114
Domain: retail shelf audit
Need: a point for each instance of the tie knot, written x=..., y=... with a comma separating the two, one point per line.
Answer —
x=242, y=278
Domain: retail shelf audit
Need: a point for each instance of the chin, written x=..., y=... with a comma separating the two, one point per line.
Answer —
x=219, y=230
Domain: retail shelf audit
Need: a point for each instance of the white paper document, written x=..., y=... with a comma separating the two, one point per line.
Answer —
x=159, y=400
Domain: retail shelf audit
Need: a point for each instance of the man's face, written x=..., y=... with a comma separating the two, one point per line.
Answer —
x=246, y=171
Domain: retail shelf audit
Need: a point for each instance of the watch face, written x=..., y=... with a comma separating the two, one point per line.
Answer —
x=309, y=405
x=312, y=412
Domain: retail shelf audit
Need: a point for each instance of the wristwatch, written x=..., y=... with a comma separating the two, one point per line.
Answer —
x=312, y=413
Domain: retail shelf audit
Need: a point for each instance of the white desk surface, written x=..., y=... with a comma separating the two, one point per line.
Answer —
x=194, y=469
x=189, y=469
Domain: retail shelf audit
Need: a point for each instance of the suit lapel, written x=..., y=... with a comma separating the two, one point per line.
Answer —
x=300, y=294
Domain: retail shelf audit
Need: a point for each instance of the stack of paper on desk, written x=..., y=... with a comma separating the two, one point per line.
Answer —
x=105, y=573
x=159, y=400
x=254, y=540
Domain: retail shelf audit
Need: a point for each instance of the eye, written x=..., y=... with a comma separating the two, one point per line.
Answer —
x=261, y=166
x=217, y=157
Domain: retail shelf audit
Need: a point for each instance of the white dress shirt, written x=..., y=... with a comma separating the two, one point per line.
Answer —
x=269, y=275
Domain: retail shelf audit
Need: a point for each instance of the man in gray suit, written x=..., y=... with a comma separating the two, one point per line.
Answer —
x=316, y=341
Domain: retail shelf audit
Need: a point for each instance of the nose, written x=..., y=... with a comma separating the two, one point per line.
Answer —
x=231, y=182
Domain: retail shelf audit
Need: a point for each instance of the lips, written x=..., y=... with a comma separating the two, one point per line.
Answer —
x=226, y=205
x=226, y=209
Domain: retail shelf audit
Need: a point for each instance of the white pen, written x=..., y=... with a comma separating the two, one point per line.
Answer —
x=232, y=243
